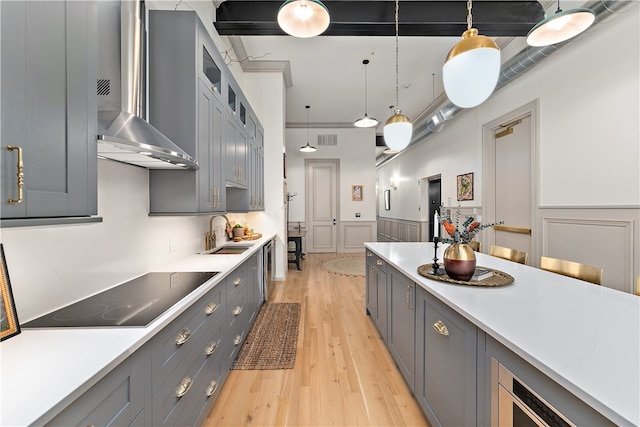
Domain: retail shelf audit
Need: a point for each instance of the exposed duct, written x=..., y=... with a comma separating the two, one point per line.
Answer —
x=516, y=66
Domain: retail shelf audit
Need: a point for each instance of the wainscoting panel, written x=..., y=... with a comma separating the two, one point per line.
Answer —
x=603, y=243
x=355, y=234
x=399, y=230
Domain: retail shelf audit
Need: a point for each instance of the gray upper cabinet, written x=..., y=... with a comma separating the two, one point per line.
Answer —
x=186, y=104
x=49, y=109
x=446, y=349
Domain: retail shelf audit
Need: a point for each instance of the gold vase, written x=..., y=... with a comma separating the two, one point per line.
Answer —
x=459, y=261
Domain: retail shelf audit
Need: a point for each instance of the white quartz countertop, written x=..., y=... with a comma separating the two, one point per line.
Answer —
x=583, y=336
x=44, y=370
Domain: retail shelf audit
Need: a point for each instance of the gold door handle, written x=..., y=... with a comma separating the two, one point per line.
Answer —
x=20, y=175
x=211, y=389
x=237, y=310
x=184, y=387
x=183, y=336
x=379, y=262
x=441, y=328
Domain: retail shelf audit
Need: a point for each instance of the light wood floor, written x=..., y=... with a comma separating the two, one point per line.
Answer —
x=343, y=376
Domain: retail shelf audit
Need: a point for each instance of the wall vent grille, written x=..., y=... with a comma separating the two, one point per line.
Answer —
x=104, y=87
x=328, y=140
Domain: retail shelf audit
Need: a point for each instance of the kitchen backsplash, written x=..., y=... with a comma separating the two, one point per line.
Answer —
x=52, y=266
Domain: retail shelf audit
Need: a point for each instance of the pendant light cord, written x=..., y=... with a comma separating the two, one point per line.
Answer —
x=308, y=123
x=469, y=17
x=397, y=9
x=365, y=62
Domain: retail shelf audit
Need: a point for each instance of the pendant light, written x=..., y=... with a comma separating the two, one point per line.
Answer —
x=303, y=18
x=398, y=128
x=308, y=148
x=365, y=121
x=560, y=27
x=472, y=67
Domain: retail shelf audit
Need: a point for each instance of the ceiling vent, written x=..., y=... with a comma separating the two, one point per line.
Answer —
x=329, y=140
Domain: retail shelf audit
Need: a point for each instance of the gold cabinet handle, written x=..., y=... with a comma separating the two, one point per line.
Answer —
x=369, y=253
x=518, y=230
x=379, y=262
x=237, y=340
x=20, y=175
x=237, y=281
x=184, y=387
x=211, y=348
x=237, y=310
x=211, y=388
x=211, y=307
x=183, y=336
x=409, y=304
x=441, y=328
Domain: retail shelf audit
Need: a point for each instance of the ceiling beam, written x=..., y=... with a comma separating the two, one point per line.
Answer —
x=377, y=18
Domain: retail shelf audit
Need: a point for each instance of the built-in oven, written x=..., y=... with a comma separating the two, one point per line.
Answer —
x=514, y=404
x=267, y=268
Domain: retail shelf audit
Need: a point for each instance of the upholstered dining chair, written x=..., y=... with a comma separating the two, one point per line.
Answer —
x=508, y=253
x=572, y=269
x=475, y=245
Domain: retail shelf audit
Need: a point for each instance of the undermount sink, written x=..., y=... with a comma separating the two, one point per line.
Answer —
x=227, y=250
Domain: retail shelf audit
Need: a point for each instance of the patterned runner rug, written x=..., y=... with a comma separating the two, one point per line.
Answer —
x=272, y=339
x=350, y=266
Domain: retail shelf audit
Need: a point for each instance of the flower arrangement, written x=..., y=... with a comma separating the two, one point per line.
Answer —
x=465, y=233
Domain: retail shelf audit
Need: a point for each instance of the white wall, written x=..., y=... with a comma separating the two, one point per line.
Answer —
x=589, y=135
x=588, y=143
x=52, y=266
x=356, y=152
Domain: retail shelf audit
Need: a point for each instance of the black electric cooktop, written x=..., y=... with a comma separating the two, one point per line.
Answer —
x=133, y=303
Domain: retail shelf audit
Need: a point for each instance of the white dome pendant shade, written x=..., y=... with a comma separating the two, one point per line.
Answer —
x=308, y=148
x=560, y=27
x=471, y=70
x=303, y=18
x=365, y=121
x=398, y=129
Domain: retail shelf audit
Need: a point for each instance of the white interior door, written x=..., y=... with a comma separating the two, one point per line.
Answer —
x=513, y=185
x=322, y=205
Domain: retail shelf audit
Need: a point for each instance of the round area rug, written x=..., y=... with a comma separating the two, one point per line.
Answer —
x=351, y=266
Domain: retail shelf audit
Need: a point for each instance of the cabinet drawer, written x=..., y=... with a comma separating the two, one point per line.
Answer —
x=206, y=389
x=116, y=399
x=172, y=344
x=236, y=282
x=183, y=385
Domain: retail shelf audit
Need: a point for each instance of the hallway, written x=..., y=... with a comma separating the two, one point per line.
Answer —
x=343, y=376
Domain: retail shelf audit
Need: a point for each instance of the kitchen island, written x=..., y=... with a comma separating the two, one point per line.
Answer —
x=43, y=371
x=584, y=337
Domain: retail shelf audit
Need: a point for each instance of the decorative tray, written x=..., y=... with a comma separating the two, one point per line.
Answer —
x=499, y=278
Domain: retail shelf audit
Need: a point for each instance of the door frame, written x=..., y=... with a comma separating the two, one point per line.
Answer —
x=307, y=207
x=489, y=171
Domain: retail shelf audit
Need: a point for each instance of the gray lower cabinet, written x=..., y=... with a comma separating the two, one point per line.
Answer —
x=446, y=350
x=377, y=292
x=534, y=392
x=49, y=105
x=118, y=399
x=401, y=328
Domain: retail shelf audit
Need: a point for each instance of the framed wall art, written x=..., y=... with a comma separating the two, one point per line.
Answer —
x=9, y=325
x=356, y=193
x=465, y=186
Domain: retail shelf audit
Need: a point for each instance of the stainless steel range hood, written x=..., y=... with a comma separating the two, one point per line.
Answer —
x=123, y=134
